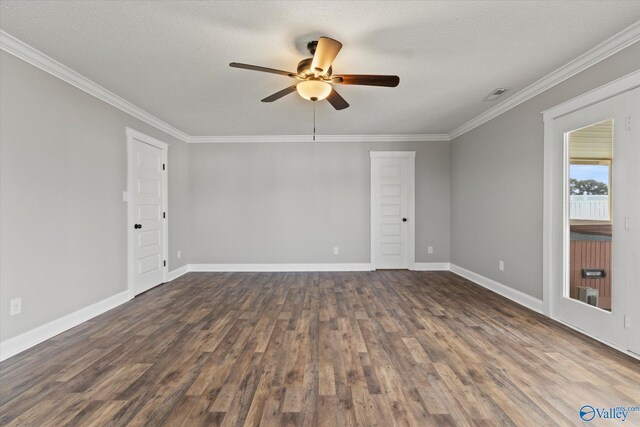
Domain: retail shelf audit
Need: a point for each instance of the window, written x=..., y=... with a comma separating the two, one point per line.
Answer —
x=589, y=190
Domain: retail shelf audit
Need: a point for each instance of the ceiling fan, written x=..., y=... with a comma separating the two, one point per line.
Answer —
x=315, y=75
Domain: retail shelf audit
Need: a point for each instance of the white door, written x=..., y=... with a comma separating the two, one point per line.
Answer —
x=594, y=207
x=392, y=205
x=633, y=289
x=147, y=215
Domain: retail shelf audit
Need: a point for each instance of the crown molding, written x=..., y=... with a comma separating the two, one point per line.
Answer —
x=612, y=45
x=29, y=54
x=319, y=138
x=609, y=47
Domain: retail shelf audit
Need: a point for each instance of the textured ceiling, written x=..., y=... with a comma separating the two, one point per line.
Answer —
x=171, y=58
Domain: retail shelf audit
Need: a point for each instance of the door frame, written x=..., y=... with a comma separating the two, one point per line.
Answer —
x=133, y=135
x=411, y=191
x=553, y=228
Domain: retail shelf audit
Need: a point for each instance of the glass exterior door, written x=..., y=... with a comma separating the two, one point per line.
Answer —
x=591, y=207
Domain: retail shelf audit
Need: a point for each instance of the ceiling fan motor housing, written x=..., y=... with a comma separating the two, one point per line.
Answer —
x=304, y=69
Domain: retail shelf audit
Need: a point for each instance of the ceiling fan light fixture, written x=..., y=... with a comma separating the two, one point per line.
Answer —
x=314, y=90
x=315, y=76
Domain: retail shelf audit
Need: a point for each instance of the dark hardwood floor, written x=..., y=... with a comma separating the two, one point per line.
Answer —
x=329, y=349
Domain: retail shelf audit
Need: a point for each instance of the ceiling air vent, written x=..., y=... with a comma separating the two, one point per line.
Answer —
x=496, y=94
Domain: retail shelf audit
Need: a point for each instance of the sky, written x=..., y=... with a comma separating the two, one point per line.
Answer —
x=596, y=172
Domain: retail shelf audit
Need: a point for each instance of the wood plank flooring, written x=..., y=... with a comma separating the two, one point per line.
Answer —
x=379, y=348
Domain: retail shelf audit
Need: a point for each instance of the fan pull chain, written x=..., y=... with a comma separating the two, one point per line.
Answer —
x=314, y=121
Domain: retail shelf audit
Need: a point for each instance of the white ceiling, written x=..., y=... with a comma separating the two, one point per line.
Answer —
x=171, y=58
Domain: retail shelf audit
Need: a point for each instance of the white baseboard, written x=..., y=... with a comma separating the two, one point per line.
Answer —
x=42, y=333
x=18, y=344
x=514, y=295
x=431, y=266
x=278, y=267
x=607, y=343
x=174, y=274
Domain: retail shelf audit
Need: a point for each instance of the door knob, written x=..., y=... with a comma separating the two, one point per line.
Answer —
x=404, y=219
x=136, y=226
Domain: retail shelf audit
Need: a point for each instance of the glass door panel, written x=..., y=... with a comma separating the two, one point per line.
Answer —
x=590, y=194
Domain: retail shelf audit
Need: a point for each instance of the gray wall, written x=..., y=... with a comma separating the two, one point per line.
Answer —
x=63, y=170
x=293, y=202
x=62, y=218
x=497, y=177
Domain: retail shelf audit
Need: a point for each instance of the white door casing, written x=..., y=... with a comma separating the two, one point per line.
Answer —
x=393, y=209
x=147, y=212
x=602, y=324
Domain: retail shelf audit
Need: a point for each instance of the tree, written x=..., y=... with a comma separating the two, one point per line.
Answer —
x=587, y=187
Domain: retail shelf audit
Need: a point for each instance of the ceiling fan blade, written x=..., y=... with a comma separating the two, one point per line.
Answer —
x=280, y=94
x=337, y=101
x=263, y=69
x=366, y=80
x=326, y=51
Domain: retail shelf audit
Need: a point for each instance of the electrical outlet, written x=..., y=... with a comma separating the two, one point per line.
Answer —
x=179, y=254
x=336, y=250
x=627, y=321
x=430, y=250
x=15, y=306
x=501, y=265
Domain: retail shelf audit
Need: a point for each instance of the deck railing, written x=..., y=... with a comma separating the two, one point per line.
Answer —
x=589, y=207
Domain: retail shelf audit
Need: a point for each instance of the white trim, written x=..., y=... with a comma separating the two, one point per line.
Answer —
x=29, y=54
x=411, y=243
x=606, y=91
x=527, y=301
x=392, y=154
x=278, y=267
x=431, y=266
x=132, y=135
x=607, y=343
x=514, y=295
x=411, y=208
x=547, y=220
x=319, y=138
x=35, y=336
x=372, y=226
x=38, y=59
x=22, y=342
x=612, y=45
x=180, y=271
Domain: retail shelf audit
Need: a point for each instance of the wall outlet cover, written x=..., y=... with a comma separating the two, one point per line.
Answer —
x=15, y=306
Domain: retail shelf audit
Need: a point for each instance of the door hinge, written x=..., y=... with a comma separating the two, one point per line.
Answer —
x=164, y=166
x=627, y=321
x=627, y=123
x=164, y=263
x=164, y=214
